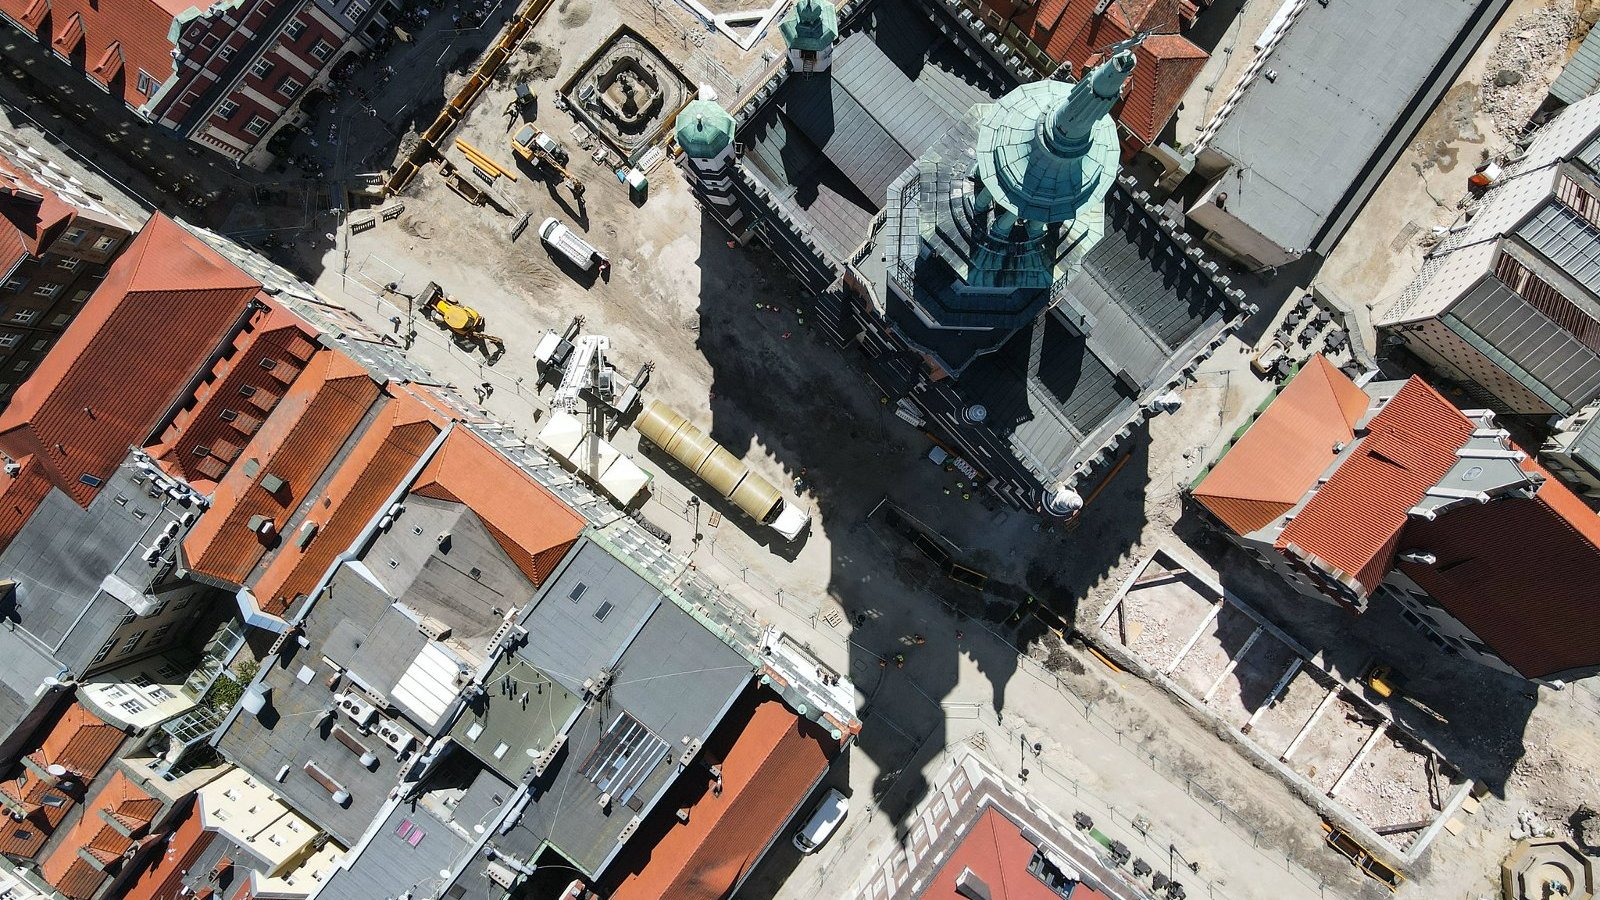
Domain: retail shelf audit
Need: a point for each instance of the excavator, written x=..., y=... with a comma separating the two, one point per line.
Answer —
x=464, y=323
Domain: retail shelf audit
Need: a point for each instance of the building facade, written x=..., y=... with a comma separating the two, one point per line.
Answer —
x=225, y=76
x=1510, y=301
x=55, y=245
x=1388, y=491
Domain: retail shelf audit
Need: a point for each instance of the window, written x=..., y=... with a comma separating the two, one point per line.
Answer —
x=60, y=319
x=15, y=283
x=21, y=366
x=226, y=109
x=10, y=339
x=41, y=344
x=289, y=87
x=168, y=671
x=295, y=29
x=262, y=68
x=257, y=126
x=356, y=11
x=139, y=681
x=160, y=694
x=80, y=296
x=132, y=642
x=268, y=364
x=577, y=592
x=116, y=692
x=161, y=632
x=603, y=610
x=146, y=84
x=321, y=49
x=202, y=451
x=224, y=53
x=73, y=236
x=47, y=289
x=103, y=245
x=246, y=390
x=105, y=650
x=24, y=316
x=134, y=705
x=70, y=263
x=183, y=602
x=227, y=415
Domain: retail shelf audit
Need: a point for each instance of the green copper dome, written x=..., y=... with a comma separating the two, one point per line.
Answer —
x=704, y=129
x=811, y=25
x=1049, y=149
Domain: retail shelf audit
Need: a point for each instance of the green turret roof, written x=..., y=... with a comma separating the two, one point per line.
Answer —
x=1049, y=149
x=704, y=129
x=810, y=25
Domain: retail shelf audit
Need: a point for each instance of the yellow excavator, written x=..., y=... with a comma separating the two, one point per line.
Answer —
x=464, y=323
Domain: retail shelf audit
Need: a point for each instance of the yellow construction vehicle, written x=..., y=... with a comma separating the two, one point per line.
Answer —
x=540, y=149
x=464, y=323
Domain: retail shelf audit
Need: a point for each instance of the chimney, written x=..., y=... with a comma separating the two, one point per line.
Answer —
x=969, y=885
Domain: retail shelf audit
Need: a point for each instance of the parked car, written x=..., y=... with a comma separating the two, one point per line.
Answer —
x=823, y=821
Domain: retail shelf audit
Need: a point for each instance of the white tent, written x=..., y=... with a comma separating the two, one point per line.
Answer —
x=563, y=434
x=594, y=456
x=624, y=480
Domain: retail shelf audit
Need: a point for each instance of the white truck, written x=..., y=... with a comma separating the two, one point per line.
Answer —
x=566, y=242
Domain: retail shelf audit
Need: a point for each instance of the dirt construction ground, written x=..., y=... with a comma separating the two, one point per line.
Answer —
x=720, y=325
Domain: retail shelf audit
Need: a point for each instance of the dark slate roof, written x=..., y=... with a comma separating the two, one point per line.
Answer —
x=1353, y=80
x=857, y=144
x=1056, y=394
x=393, y=865
x=1565, y=238
x=1543, y=356
x=355, y=625
x=1581, y=77
x=948, y=66
x=585, y=615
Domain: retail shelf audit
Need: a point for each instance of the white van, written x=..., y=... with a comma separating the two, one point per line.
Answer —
x=822, y=822
x=568, y=244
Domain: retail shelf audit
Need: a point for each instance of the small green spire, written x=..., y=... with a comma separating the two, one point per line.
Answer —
x=704, y=129
x=810, y=25
x=1073, y=121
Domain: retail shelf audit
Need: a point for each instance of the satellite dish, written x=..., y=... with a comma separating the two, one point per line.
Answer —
x=56, y=770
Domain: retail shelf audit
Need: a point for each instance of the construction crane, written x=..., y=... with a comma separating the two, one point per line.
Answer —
x=540, y=149
x=464, y=323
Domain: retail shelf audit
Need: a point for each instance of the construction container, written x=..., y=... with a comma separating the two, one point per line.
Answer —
x=719, y=469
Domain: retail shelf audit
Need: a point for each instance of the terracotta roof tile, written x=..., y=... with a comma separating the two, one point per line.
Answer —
x=771, y=759
x=166, y=305
x=79, y=741
x=296, y=445
x=20, y=495
x=995, y=850
x=238, y=396
x=1521, y=573
x=162, y=879
x=69, y=872
x=1268, y=470
x=1070, y=33
x=369, y=475
x=1352, y=524
x=534, y=527
x=24, y=222
x=139, y=26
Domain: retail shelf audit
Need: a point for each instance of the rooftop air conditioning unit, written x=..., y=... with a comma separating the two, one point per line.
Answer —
x=396, y=738
x=150, y=556
x=360, y=711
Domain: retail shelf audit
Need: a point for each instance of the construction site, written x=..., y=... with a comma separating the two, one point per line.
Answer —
x=535, y=244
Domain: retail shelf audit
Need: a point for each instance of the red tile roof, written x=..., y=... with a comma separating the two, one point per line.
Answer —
x=1287, y=448
x=165, y=307
x=1352, y=524
x=995, y=850
x=296, y=445
x=80, y=742
x=534, y=527
x=27, y=224
x=1521, y=573
x=369, y=475
x=73, y=875
x=20, y=495
x=140, y=27
x=162, y=879
x=770, y=761
x=1070, y=32
x=221, y=411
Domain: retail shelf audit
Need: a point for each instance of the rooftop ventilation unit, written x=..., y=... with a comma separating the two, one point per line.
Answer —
x=360, y=711
x=627, y=831
x=396, y=738
x=549, y=755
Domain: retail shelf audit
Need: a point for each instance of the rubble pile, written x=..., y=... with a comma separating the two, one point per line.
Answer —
x=1526, y=58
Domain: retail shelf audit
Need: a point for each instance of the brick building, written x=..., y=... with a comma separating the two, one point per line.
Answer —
x=225, y=76
x=1077, y=33
x=55, y=245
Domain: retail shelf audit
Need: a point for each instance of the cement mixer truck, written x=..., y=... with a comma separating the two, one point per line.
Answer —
x=714, y=465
